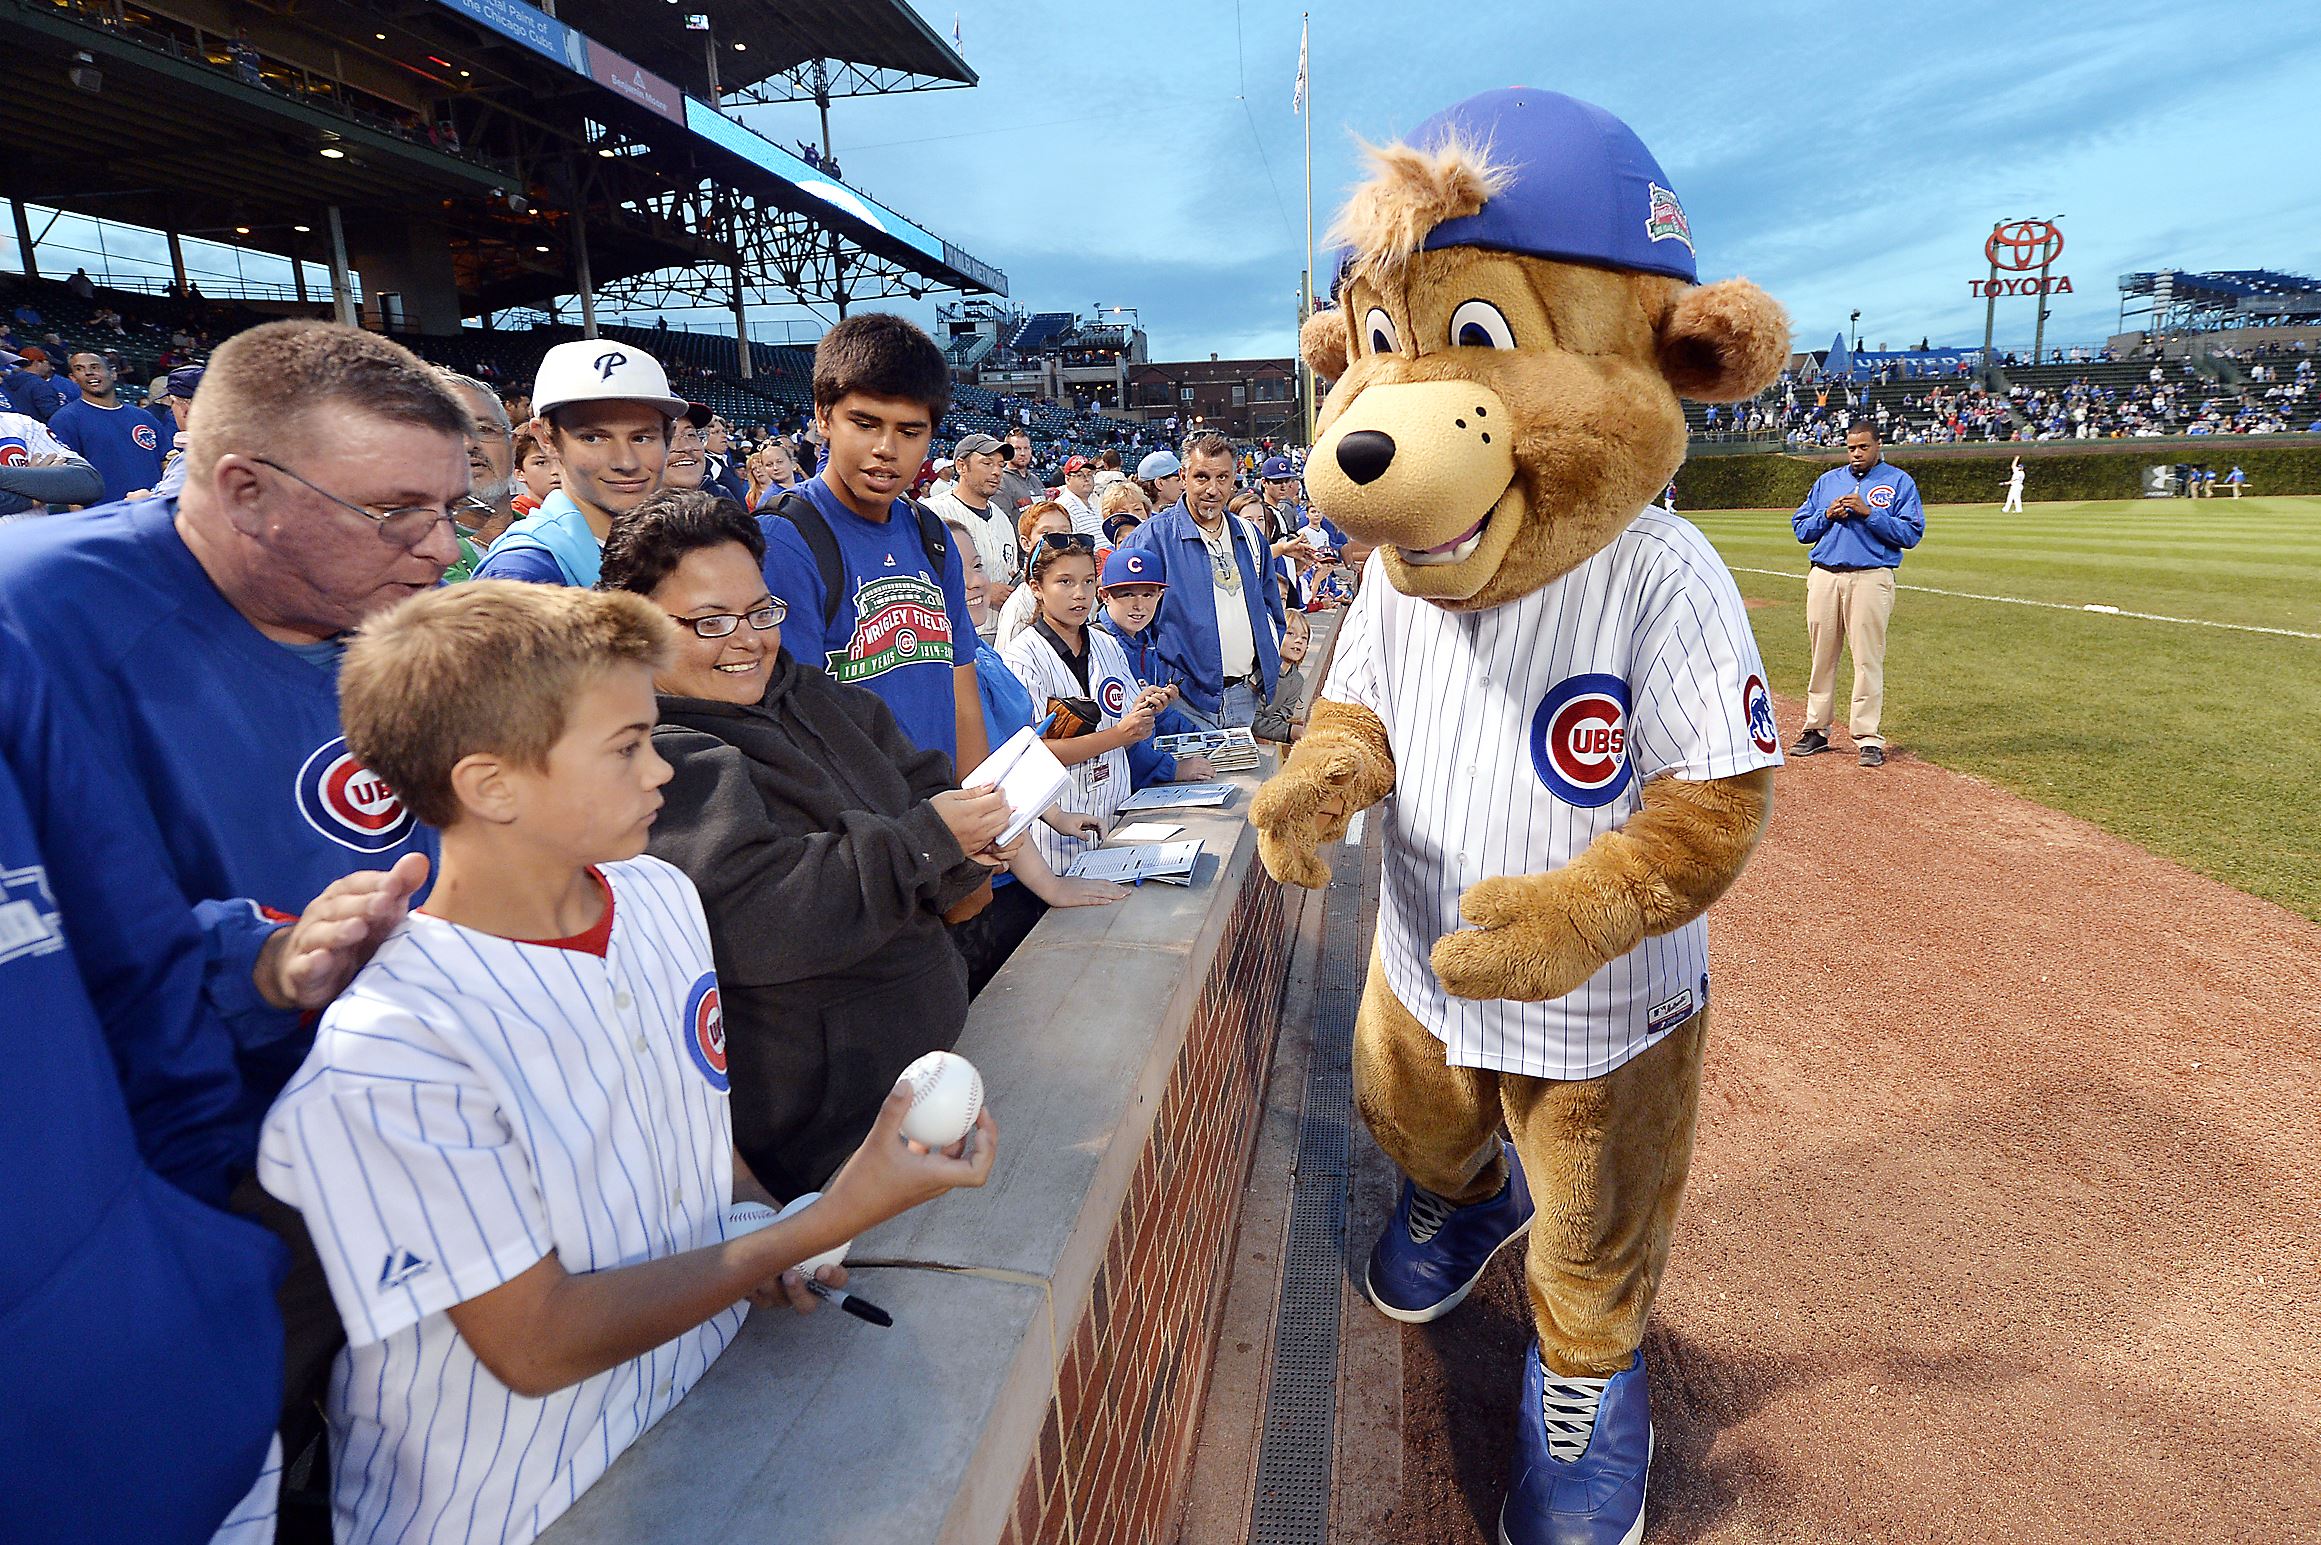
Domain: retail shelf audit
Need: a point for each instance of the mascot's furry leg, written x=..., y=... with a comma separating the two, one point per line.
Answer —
x=1605, y=1161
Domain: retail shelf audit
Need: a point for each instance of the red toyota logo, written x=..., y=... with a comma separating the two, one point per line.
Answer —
x=2019, y=246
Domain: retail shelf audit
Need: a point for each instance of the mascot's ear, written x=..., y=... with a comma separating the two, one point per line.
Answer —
x=1723, y=342
x=1323, y=342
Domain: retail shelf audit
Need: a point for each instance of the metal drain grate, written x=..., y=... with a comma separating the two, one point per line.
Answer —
x=1292, y=1502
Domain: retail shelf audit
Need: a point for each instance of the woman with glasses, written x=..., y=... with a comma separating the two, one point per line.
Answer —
x=826, y=847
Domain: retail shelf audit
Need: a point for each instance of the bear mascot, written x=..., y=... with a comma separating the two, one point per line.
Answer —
x=1549, y=687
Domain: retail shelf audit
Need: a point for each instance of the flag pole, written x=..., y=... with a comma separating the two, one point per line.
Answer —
x=1306, y=308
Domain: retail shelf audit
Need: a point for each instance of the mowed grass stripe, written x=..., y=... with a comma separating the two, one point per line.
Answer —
x=2256, y=569
x=2196, y=743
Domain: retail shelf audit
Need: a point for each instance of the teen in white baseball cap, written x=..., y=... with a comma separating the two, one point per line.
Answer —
x=605, y=409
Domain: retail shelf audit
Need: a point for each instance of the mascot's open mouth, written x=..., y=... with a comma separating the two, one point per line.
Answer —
x=1452, y=551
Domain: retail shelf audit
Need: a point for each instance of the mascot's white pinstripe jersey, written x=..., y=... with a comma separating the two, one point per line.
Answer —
x=472, y=1104
x=1520, y=734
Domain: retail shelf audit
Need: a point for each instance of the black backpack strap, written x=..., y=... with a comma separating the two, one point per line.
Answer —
x=935, y=537
x=822, y=542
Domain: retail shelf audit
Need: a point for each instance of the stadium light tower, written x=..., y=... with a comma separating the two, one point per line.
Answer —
x=1857, y=320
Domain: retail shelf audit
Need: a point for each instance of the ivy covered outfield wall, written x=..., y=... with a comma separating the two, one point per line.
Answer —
x=1950, y=474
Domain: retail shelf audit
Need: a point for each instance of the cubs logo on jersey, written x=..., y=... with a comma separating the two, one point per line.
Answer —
x=705, y=1030
x=1579, y=739
x=1757, y=707
x=1882, y=496
x=13, y=452
x=350, y=804
x=147, y=438
x=1113, y=695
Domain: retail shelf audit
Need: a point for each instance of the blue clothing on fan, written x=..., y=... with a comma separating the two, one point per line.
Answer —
x=896, y=626
x=554, y=545
x=120, y=442
x=1874, y=541
x=230, y=743
x=1007, y=710
x=38, y=395
x=120, y=1296
x=142, y=955
x=1186, y=624
x=1147, y=763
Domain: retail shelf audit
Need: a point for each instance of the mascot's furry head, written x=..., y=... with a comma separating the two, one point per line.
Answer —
x=1518, y=313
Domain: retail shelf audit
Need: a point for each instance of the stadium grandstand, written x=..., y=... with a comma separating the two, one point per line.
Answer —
x=2171, y=300
x=472, y=158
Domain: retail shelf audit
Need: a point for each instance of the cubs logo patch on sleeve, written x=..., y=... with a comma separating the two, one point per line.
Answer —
x=350, y=804
x=705, y=1030
x=1579, y=739
x=1757, y=707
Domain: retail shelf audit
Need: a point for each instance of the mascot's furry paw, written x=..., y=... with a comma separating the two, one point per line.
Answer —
x=1299, y=809
x=1526, y=943
x=1341, y=766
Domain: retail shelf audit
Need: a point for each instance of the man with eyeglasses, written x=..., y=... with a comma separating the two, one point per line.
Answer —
x=489, y=508
x=198, y=637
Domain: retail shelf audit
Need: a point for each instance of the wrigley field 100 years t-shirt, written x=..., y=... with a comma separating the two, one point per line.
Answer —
x=896, y=623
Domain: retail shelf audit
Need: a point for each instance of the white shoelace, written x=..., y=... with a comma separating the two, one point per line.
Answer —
x=1569, y=1408
x=1427, y=1212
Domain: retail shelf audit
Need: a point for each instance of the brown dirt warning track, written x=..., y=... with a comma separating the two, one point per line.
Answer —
x=2005, y=1208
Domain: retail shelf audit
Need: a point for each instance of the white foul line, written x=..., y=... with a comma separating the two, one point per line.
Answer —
x=2064, y=606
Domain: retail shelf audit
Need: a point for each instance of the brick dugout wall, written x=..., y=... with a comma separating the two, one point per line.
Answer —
x=1118, y=1436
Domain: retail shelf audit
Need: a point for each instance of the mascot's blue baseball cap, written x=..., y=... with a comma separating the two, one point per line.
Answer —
x=1582, y=186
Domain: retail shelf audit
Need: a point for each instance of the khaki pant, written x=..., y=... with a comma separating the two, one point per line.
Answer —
x=1606, y=1160
x=1848, y=609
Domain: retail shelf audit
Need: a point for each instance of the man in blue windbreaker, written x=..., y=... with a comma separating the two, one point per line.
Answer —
x=1859, y=519
x=1220, y=619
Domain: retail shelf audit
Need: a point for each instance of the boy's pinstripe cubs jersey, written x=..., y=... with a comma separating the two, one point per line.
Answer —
x=1524, y=732
x=471, y=1104
x=1100, y=783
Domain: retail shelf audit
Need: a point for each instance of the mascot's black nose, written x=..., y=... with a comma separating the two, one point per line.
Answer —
x=1365, y=455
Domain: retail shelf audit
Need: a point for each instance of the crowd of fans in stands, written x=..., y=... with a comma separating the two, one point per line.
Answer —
x=2174, y=397
x=450, y=746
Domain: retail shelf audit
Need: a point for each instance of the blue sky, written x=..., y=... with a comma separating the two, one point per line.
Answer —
x=1842, y=155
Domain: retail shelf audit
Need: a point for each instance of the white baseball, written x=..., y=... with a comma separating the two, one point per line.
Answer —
x=748, y=1217
x=946, y=1097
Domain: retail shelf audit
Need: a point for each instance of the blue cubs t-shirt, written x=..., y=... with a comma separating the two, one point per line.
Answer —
x=122, y=443
x=896, y=624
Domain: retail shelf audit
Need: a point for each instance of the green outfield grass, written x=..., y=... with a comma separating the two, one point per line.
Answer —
x=2200, y=743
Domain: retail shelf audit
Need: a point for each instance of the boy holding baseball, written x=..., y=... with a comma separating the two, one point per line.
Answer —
x=511, y=1139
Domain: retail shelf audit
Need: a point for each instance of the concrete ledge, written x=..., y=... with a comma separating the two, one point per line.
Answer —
x=1053, y=1331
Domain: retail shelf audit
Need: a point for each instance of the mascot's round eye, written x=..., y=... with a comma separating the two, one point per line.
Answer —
x=1380, y=327
x=1477, y=324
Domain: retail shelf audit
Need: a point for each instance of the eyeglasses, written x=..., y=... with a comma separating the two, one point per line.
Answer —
x=721, y=624
x=1068, y=541
x=405, y=526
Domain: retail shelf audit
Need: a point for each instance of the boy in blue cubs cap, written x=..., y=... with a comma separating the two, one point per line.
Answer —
x=1556, y=683
x=1130, y=591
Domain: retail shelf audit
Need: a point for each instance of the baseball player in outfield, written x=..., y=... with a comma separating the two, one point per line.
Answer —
x=2014, y=501
x=511, y=1140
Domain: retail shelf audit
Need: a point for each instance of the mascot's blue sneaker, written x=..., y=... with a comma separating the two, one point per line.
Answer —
x=1582, y=1451
x=1432, y=1253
